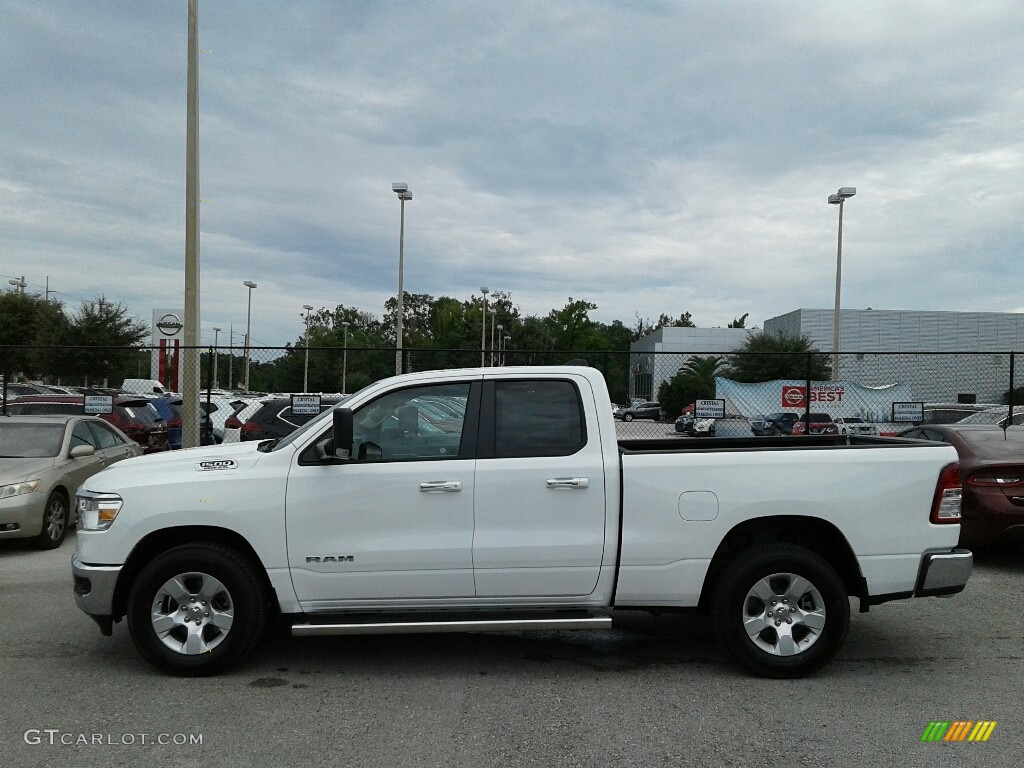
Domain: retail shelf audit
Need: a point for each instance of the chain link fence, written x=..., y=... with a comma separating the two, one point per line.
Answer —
x=654, y=393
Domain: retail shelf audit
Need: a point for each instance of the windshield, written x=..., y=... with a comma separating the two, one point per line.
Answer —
x=142, y=413
x=30, y=441
x=991, y=417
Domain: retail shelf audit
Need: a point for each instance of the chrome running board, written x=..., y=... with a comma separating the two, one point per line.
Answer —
x=411, y=627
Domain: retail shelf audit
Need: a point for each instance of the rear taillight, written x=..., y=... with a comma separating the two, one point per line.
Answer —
x=232, y=423
x=998, y=477
x=134, y=426
x=948, y=495
x=250, y=427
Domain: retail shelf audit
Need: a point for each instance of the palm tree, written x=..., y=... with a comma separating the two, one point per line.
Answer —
x=694, y=381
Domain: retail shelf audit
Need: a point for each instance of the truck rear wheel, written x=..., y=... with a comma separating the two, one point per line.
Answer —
x=781, y=610
x=197, y=609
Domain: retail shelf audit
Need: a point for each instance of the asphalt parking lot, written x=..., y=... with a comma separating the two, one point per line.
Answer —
x=654, y=691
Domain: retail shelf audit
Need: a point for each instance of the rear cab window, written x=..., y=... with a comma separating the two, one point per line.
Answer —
x=536, y=417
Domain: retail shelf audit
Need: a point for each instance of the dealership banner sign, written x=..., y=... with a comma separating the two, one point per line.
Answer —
x=836, y=398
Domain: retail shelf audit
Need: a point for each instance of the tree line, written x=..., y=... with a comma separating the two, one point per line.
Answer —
x=42, y=339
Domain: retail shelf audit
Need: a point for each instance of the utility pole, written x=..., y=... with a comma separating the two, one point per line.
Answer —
x=190, y=372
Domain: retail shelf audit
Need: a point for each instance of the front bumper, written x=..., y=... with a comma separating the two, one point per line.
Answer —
x=22, y=516
x=944, y=573
x=94, y=590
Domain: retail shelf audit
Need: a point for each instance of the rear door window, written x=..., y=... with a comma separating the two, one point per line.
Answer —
x=537, y=418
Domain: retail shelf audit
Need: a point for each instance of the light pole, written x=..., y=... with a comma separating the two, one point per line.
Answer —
x=504, y=349
x=344, y=359
x=501, y=334
x=19, y=284
x=494, y=317
x=483, y=328
x=216, y=335
x=838, y=199
x=305, y=370
x=404, y=193
x=248, y=326
x=231, y=356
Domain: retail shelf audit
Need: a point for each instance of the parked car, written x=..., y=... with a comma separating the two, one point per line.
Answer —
x=999, y=416
x=172, y=418
x=854, y=425
x=273, y=418
x=951, y=413
x=233, y=424
x=685, y=423
x=213, y=412
x=43, y=461
x=144, y=387
x=779, y=423
x=817, y=424
x=647, y=410
x=133, y=415
x=731, y=425
x=992, y=473
x=22, y=389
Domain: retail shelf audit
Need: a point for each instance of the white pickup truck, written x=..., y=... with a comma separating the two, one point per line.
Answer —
x=500, y=498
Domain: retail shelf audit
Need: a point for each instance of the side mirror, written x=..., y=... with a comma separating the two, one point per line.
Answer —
x=81, y=451
x=342, y=433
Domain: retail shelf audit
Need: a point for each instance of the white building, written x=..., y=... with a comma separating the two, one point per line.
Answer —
x=946, y=356
x=659, y=355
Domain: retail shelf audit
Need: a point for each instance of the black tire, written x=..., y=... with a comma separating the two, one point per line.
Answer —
x=627, y=417
x=813, y=612
x=55, y=522
x=224, y=627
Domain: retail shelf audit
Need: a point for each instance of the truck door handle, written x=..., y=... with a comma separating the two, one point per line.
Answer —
x=569, y=482
x=445, y=486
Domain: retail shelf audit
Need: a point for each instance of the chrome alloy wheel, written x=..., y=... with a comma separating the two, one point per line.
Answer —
x=192, y=613
x=55, y=519
x=784, y=614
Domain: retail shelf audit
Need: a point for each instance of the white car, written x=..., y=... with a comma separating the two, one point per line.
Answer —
x=854, y=425
x=234, y=421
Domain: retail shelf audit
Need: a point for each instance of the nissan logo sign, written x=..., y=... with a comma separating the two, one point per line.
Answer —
x=170, y=324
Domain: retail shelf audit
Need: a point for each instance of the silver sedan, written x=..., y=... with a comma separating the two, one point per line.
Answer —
x=43, y=460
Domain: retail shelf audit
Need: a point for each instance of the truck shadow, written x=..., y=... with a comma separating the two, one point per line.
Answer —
x=638, y=642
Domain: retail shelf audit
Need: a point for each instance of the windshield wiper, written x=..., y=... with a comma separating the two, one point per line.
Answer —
x=266, y=446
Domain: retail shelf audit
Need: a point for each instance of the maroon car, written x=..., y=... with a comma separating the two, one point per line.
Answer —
x=992, y=468
x=817, y=424
x=133, y=415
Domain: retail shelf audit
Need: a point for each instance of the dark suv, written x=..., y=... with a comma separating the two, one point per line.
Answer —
x=642, y=411
x=774, y=424
x=133, y=415
x=274, y=419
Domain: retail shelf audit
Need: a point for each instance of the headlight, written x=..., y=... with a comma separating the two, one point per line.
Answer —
x=96, y=511
x=16, y=489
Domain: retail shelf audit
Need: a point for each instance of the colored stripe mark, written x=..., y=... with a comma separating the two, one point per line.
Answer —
x=958, y=730
x=982, y=730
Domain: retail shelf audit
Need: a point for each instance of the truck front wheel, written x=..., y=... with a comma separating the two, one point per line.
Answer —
x=197, y=609
x=781, y=610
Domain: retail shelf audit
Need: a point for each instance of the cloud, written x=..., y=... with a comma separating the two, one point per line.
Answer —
x=651, y=157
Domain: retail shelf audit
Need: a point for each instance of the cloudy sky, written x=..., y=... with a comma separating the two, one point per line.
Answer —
x=659, y=156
